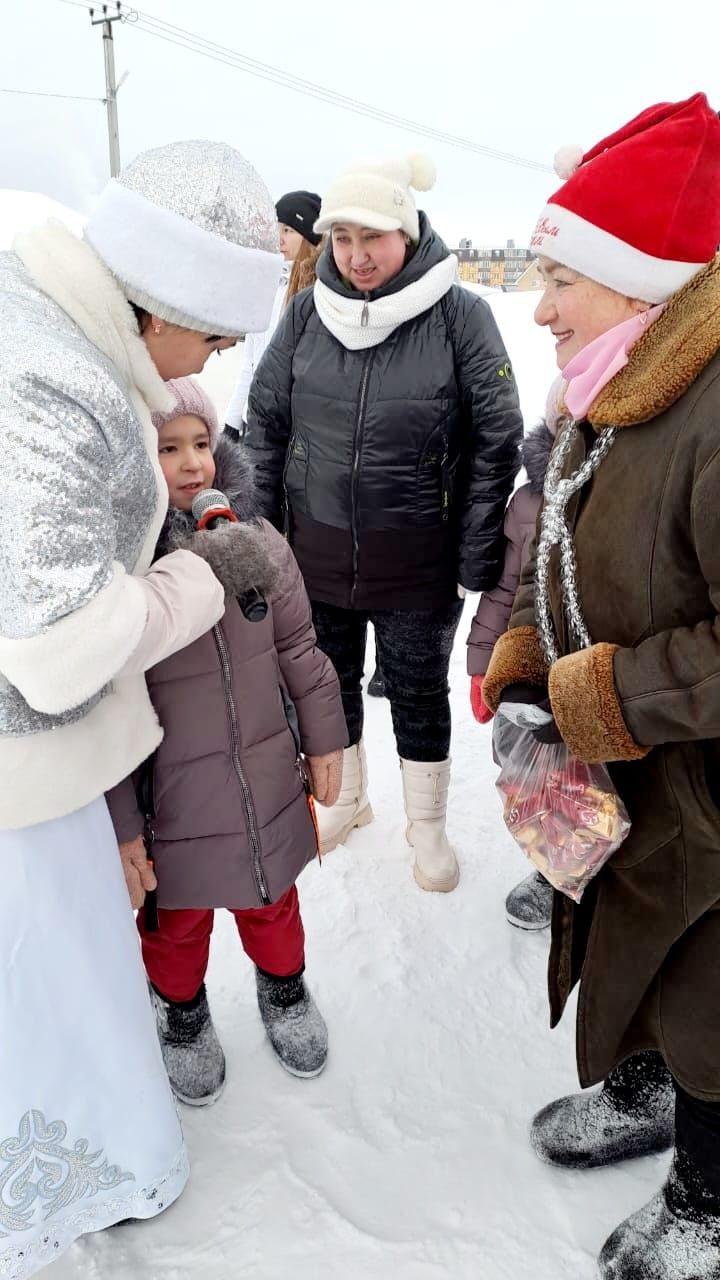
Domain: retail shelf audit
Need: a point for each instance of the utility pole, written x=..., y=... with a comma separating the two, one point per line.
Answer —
x=111, y=87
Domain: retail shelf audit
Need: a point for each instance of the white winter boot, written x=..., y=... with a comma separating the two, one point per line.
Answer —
x=352, y=807
x=425, y=787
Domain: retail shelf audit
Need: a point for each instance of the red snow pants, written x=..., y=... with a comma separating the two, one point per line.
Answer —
x=176, y=958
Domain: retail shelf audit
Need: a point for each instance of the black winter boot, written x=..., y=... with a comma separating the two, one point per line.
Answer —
x=191, y=1051
x=295, y=1027
x=676, y=1236
x=529, y=904
x=631, y=1115
x=376, y=685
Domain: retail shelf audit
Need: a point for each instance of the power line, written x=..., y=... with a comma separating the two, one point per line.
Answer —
x=220, y=53
x=36, y=93
x=182, y=38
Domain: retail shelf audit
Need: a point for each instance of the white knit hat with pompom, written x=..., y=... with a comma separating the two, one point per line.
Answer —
x=377, y=194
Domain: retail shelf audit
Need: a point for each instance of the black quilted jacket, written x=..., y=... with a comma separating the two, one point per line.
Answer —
x=389, y=468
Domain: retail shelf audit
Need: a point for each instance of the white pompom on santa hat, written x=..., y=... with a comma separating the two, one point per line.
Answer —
x=568, y=160
x=640, y=212
x=377, y=194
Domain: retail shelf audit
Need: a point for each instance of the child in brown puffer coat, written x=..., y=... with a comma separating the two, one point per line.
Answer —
x=253, y=728
x=529, y=904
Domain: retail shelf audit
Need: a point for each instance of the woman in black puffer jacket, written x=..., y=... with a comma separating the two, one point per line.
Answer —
x=384, y=423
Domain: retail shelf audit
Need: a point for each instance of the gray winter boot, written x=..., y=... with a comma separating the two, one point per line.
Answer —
x=633, y=1114
x=676, y=1236
x=191, y=1051
x=529, y=904
x=295, y=1026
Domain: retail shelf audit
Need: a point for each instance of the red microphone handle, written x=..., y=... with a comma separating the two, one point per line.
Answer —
x=217, y=513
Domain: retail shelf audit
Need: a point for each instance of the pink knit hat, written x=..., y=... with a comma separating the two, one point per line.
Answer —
x=189, y=397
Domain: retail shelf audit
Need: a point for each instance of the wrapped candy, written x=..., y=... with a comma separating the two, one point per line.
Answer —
x=566, y=816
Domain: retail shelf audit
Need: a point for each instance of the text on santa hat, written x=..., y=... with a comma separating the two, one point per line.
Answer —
x=543, y=229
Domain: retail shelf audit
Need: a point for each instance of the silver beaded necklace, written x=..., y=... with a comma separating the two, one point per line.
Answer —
x=554, y=531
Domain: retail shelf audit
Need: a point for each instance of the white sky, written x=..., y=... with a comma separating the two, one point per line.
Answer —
x=520, y=75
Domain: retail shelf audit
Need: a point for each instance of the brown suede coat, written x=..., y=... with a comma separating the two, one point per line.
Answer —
x=645, y=941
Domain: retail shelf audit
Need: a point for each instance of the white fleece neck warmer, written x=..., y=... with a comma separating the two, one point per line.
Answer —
x=358, y=324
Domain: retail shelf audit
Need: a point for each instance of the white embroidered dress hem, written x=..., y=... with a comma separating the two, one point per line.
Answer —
x=89, y=1132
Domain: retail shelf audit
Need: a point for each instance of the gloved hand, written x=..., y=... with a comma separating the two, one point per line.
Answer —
x=534, y=696
x=480, y=709
x=326, y=776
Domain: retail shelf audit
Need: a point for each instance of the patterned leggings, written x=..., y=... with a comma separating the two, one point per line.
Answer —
x=414, y=648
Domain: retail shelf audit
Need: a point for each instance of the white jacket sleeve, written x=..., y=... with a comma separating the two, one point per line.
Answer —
x=184, y=600
x=127, y=627
x=237, y=409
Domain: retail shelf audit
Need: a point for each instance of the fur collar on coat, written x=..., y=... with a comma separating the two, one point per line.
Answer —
x=535, y=452
x=238, y=554
x=73, y=275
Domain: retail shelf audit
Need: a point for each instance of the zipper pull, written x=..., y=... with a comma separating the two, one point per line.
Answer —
x=365, y=312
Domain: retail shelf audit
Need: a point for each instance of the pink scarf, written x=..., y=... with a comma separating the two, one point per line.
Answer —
x=593, y=367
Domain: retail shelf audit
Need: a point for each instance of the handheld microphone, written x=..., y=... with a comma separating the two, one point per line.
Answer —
x=211, y=510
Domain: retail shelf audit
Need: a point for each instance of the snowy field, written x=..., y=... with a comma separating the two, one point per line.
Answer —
x=408, y=1159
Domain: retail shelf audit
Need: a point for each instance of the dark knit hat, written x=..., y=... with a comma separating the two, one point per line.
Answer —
x=300, y=210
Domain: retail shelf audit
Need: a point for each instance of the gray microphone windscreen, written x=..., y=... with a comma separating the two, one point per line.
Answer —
x=208, y=500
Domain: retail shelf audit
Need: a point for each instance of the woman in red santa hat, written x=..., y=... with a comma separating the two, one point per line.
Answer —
x=615, y=630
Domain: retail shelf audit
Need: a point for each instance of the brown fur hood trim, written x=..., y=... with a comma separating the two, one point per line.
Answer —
x=668, y=358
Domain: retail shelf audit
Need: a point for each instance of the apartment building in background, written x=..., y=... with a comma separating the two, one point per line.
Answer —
x=495, y=268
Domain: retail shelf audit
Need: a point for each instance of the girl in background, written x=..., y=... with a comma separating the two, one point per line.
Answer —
x=297, y=212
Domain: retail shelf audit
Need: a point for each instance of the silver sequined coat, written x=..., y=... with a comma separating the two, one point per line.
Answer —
x=83, y=502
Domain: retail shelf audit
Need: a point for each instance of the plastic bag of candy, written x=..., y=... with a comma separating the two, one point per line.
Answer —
x=565, y=815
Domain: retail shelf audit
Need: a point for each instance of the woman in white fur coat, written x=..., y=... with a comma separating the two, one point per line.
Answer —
x=91, y=330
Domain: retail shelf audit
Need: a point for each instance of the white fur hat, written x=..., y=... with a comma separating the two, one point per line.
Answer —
x=377, y=194
x=190, y=232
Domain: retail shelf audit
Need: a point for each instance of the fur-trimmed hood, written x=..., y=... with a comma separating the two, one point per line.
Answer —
x=535, y=452
x=237, y=553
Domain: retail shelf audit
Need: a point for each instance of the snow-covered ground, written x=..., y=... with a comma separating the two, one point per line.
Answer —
x=408, y=1159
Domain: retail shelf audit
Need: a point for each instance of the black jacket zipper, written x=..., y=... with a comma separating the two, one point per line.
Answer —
x=355, y=476
x=250, y=816
x=444, y=489
x=286, y=522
